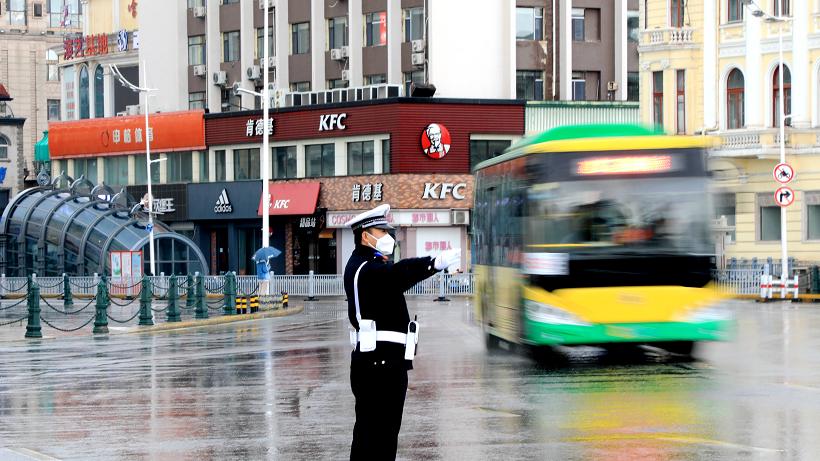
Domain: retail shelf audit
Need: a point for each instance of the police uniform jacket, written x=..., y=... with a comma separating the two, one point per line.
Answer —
x=381, y=297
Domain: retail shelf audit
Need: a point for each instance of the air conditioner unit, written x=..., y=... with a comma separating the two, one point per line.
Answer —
x=461, y=217
x=389, y=91
x=345, y=51
x=262, y=4
x=417, y=59
x=132, y=110
x=200, y=70
x=340, y=95
x=220, y=78
x=417, y=46
x=271, y=62
x=336, y=54
x=254, y=73
x=346, y=75
x=199, y=11
x=612, y=86
x=121, y=114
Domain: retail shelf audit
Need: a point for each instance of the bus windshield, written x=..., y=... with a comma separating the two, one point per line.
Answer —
x=620, y=217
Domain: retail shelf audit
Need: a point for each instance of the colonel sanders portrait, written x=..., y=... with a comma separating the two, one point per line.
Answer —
x=437, y=149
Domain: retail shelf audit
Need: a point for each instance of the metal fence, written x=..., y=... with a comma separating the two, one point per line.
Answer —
x=739, y=281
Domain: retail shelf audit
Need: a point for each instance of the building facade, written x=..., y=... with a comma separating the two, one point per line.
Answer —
x=11, y=149
x=712, y=67
x=29, y=30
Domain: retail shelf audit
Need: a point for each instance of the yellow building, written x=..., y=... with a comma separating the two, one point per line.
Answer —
x=726, y=55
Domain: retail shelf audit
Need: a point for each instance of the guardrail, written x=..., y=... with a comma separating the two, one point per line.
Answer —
x=738, y=281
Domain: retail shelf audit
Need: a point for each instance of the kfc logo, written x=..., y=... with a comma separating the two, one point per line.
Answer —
x=435, y=140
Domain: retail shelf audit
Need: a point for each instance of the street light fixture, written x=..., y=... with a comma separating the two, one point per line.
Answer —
x=148, y=161
x=758, y=12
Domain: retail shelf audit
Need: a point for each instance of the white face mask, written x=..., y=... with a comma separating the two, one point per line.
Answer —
x=384, y=244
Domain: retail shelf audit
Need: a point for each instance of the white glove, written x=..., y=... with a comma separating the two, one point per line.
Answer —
x=447, y=258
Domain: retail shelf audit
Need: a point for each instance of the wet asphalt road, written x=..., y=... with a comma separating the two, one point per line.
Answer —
x=278, y=389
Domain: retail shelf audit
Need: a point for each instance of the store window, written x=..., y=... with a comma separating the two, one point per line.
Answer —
x=140, y=168
x=300, y=40
x=246, y=164
x=53, y=106
x=336, y=32
x=99, y=92
x=85, y=107
x=385, y=156
x=529, y=85
x=196, y=50
x=360, y=158
x=376, y=29
x=529, y=23
x=481, y=150
x=768, y=217
x=413, y=24
x=320, y=160
x=284, y=162
x=86, y=167
x=220, y=165
x=196, y=100
x=812, y=199
x=230, y=46
x=180, y=167
x=116, y=171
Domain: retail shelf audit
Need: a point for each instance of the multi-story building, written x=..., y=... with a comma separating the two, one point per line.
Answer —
x=712, y=67
x=28, y=70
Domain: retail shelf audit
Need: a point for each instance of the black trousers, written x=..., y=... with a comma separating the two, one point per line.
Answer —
x=380, y=390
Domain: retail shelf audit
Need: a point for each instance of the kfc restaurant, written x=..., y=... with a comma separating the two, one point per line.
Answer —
x=330, y=162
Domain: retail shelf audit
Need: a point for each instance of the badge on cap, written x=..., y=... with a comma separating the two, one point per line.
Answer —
x=377, y=217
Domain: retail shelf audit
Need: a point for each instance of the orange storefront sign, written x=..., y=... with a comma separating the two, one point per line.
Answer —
x=172, y=131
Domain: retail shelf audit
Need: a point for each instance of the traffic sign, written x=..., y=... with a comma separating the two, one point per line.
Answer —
x=784, y=196
x=149, y=227
x=783, y=173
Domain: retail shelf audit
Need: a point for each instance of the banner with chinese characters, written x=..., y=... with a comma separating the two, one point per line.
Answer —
x=397, y=218
x=432, y=241
x=84, y=46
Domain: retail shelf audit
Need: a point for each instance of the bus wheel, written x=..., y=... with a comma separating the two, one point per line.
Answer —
x=683, y=349
x=548, y=356
x=493, y=342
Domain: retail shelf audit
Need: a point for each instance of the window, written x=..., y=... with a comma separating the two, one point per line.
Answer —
x=337, y=83
x=204, y=166
x=57, y=16
x=220, y=165
x=230, y=2
x=376, y=29
x=768, y=217
x=196, y=50
x=633, y=28
x=180, y=167
x=17, y=12
x=579, y=87
x=657, y=98
x=85, y=107
x=812, y=215
x=375, y=79
x=633, y=86
x=4, y=147
x=385, y=156
x=320, y=160
x=735, y=11
x=578, y=33
x=735, y=113
x=300, y=41
x=260, y=42
x=529, y=23
x=52, y=71
x=230, y=46
x=676, y=13
x=139, y=171
x=481, y=150
x=725, y=206
x=284, y=162
x=88, y=167
x=413, y=24
x=337, y=32
x=787, y=92
x=781, y=8
x=230, y=101
x=529, y=84
x=360, y=158
x=417, y=77
x=300, y=86
x=246, y=164
x=116, y=171
x=196, y=100
x=53, y=109
x=680, y=102
x=195, y=3
x=99, y=92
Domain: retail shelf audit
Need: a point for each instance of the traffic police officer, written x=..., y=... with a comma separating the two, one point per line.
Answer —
x=383, y=336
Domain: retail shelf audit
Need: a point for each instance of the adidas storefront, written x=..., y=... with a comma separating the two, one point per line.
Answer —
x=227, y=226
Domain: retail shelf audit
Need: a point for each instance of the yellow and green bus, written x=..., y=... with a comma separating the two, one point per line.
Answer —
x=597, y=235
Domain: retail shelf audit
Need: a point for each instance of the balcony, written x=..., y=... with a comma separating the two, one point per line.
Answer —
x=673, y=36
x=765, y=142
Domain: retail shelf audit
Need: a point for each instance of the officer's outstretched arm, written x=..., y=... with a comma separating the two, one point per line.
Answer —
x=404, y=274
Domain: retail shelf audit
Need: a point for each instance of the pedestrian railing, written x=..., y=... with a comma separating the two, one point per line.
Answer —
x=738, y=281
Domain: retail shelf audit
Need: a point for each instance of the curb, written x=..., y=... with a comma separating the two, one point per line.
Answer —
x=221, y=320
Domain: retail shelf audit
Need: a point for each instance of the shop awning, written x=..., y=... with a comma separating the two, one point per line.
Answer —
x=292, y=199
x=41, y=149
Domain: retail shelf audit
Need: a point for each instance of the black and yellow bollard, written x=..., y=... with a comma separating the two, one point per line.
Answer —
x=285, y=299
x=253, y=304
x=241, y=305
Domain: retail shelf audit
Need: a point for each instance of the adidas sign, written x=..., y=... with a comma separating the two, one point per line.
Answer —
x=223, y=204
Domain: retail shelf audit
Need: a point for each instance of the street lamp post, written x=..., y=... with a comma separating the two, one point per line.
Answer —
x=145, y=91
x=781, y=103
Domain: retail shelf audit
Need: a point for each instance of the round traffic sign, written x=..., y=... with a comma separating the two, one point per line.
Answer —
x=783, y=173
x=784, y=196
x=149, y=227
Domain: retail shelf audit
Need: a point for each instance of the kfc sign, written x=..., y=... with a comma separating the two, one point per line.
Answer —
x=329, y=122
x=435, y=140
x=440, y=191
